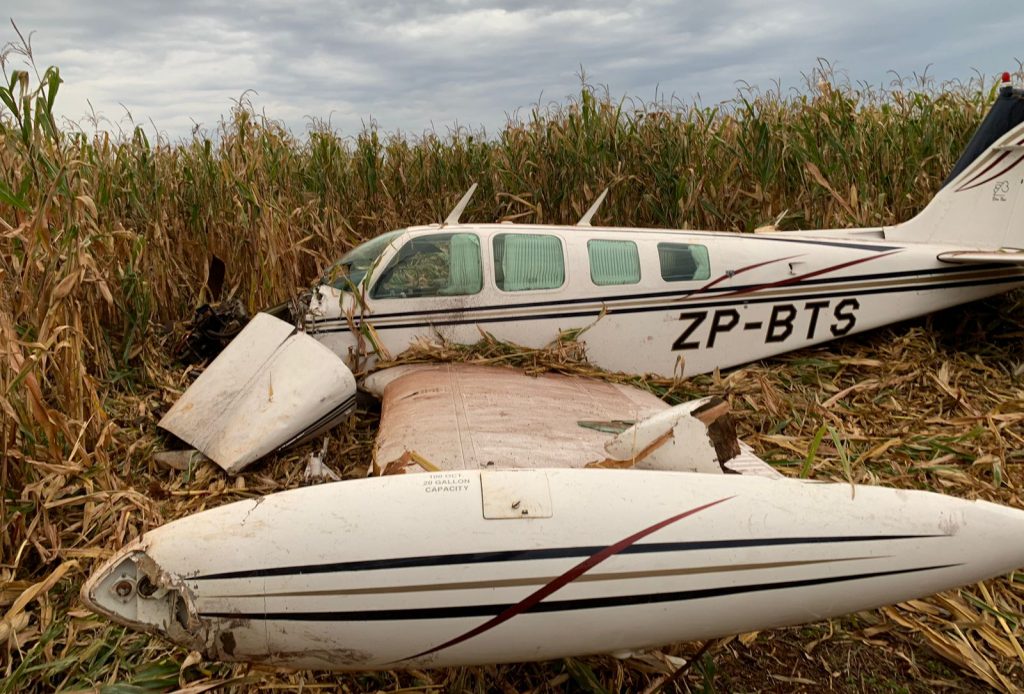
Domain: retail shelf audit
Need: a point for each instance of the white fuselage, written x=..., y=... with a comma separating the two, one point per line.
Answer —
x=754, y=296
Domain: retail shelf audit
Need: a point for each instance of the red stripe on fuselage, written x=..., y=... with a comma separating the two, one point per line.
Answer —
x=564, y=580
x=983, y=171
x=798, y=278
x=733, y=273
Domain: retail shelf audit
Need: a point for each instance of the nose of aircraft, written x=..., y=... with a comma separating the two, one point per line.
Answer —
x=132, y=590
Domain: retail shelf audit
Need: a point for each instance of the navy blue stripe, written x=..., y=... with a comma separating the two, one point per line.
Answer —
x=670, y=294
x=737, y=301
x=678, y=235
x=333, y=414
x=548, y=553
x=833, y=244
x=462, y=611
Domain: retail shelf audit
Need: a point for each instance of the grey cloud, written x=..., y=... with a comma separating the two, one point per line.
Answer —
x=413, y=65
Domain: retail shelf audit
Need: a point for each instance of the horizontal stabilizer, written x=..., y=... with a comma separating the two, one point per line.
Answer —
x=1009, y=256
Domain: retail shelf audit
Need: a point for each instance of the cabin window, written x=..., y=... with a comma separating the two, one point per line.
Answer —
x=528, y=261
x=683, y=262
x=613, y=262
x=348, y=272
x=434, y=265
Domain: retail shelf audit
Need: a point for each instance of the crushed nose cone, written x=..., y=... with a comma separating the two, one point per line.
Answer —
x=131, y=589
x=272, y=387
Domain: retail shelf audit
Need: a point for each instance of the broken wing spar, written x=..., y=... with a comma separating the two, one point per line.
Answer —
x=274, y=386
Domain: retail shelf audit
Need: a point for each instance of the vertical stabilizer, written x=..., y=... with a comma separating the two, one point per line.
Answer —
x=981, y=203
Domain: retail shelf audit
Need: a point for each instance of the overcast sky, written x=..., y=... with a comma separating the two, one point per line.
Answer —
x=411, y=66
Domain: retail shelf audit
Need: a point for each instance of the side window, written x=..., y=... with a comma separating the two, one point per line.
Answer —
x=435, y=265
x=683, y=262
x=528, y=261
x=613, y=262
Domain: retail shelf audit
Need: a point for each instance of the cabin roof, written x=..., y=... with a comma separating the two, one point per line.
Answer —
x=511, y=227
x=587, y=232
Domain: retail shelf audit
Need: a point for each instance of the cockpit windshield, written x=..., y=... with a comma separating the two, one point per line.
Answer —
x=353, y=266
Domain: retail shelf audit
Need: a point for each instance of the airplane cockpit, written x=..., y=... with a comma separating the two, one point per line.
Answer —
x=434, y=265
x=353, y=266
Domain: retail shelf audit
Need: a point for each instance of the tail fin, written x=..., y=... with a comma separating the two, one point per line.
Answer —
x=981, y=204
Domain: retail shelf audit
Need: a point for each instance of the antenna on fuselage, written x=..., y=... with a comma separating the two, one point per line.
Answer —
x=453, y=216
x=589, y=214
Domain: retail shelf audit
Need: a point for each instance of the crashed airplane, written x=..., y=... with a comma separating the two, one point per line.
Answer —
x=503, y=512
x=510, y=511
x=685, y=302
x=650, y=301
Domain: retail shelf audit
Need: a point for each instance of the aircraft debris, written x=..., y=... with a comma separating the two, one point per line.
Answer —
x=272, y=387
x=517, y=561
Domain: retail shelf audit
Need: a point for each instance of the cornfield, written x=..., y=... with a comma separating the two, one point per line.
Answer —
x=105, y=243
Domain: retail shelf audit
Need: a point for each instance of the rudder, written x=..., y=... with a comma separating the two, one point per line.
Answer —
x=981, y=203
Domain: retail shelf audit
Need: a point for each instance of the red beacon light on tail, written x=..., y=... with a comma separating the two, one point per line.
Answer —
x=1006, y=83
